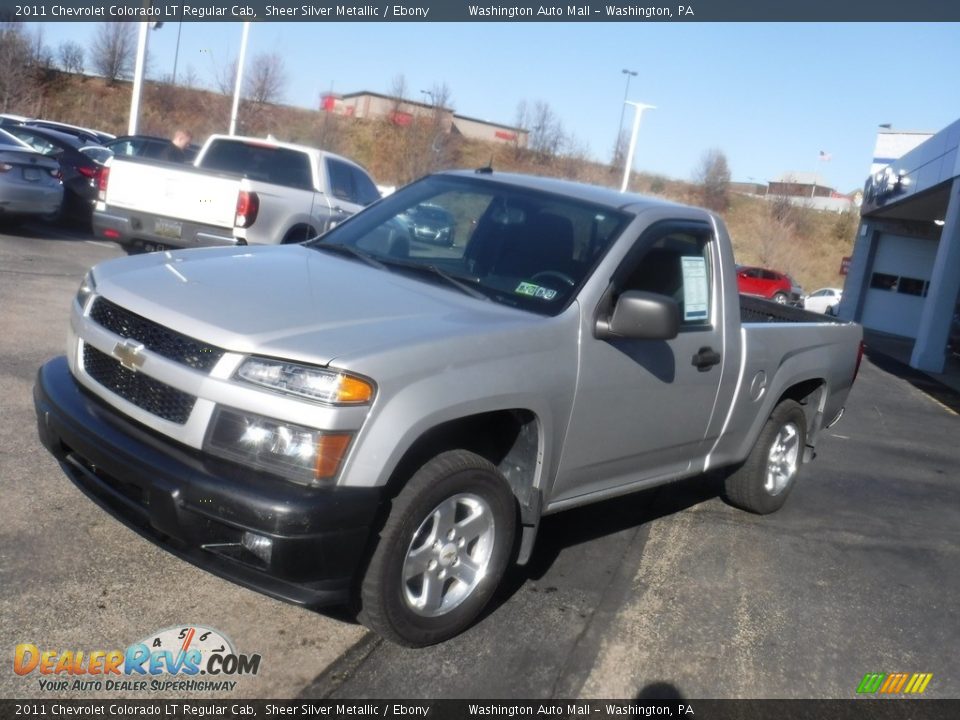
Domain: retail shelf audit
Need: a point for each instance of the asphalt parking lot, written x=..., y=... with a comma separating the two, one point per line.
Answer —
x=668, y=592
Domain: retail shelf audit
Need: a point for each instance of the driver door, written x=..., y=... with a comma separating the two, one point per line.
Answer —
x=642, y=407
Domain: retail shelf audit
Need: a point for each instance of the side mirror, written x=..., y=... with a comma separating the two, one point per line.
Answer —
x=641, y=316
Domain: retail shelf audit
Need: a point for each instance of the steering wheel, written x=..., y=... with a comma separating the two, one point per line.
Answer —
x=556, y=274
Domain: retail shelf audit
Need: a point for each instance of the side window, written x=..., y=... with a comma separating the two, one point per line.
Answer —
x=366, y=191
x=123, y=148
x=677, y=265
x=341, y=180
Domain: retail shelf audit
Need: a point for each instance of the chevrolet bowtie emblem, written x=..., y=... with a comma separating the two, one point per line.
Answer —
x=128, y=353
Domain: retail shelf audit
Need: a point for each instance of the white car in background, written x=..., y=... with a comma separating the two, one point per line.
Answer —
x=824, y=300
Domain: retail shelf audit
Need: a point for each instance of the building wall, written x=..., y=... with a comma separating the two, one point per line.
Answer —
x=800, y=190
x=403, y=112
x=489, y=132
x=917, y=189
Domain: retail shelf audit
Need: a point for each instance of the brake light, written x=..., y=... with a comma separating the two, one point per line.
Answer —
x=856, y=368
x=56, y=173
x=102, y=183
x=248, y=205
x=87, y=172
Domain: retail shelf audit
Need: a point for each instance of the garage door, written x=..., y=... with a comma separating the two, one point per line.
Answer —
x=898, y=283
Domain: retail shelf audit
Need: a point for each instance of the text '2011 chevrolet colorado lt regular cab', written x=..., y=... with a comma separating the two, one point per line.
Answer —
x=375, y=419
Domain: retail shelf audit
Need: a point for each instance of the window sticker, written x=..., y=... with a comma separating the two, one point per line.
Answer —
x=532, y=290
x=695, y=289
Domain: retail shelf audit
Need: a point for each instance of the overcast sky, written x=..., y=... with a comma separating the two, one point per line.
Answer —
x=770, y=96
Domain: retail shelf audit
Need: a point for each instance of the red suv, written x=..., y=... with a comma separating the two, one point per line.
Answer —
x=770, y=285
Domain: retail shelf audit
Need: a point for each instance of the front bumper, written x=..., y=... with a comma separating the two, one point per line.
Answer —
x=199, y=507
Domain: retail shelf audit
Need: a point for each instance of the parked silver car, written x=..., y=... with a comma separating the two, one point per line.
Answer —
x=30, y=184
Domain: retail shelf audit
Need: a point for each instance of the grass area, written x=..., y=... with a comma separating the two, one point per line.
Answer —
x=806, y=243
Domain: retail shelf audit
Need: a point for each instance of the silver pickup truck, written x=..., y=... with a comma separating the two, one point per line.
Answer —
x=238, y=191
x=376, y=419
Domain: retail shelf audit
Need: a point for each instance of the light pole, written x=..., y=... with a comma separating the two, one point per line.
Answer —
x=239, y=80
x=428, y=95
x=139, y=69
x=629, y=74
x=638, y=111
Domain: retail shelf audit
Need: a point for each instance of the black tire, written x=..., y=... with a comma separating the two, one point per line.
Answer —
x=445, y=486
x=751, y=487
x=10, y=222
x=780, y=298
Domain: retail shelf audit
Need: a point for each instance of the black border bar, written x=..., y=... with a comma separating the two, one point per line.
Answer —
x=857, y=709
x=658, y=11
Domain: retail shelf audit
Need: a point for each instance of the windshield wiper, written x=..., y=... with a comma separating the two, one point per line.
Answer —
x=433, y=270
x=349, y=251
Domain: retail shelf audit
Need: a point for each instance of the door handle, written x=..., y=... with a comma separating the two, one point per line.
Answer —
x=705, y=358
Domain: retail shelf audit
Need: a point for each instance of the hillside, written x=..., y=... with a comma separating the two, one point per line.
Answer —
x=805, y=243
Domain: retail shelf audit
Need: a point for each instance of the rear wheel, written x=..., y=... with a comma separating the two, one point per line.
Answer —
x=299, y=234
x=442, y=551
x=762, y=484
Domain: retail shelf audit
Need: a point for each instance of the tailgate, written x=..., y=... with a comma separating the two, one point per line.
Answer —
x=184, y=193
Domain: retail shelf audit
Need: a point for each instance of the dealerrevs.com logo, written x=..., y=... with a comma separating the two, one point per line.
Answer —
x=894, y=683
x=177, y=659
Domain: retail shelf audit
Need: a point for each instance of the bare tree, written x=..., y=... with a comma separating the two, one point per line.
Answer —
x=225, y=78
x=521, y=118
x=547, y=136
x=41, y=56
x=266, y=79
x=618, y=157
x=713, y=176
x=71, y=56
x=114, y=47
x=398, y=91
x=17, y=89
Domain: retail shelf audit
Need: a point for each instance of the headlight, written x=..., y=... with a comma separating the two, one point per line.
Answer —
x=297, y=453
x=86, y=290
x=328, y=386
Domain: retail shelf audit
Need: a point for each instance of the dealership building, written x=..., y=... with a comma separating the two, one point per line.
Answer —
x=904, y=276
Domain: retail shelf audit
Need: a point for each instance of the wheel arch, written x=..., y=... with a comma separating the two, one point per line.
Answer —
x=298, y=232
x=510, y=439
x=810, y=394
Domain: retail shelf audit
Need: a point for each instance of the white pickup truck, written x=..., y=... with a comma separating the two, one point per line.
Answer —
x=238, y=191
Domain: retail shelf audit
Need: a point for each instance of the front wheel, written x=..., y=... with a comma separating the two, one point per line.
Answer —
x=442, y=551
x=762, y=483
x=780, y=298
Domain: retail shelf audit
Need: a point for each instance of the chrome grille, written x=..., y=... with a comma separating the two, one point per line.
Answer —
x=151, y=395
x=155, y=337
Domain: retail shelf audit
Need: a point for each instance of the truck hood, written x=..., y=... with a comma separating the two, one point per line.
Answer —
x=292, y=302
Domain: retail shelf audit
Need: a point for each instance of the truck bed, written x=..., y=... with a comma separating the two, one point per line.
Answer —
x=758, y=310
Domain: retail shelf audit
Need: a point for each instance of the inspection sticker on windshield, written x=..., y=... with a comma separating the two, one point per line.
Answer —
x=532, y=290
x=694, y=288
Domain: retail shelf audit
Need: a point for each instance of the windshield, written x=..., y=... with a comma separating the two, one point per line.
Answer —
x=515, y=246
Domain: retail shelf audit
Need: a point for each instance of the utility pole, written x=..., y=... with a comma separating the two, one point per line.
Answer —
x=629, y=74
x=138, y=78
x=638, y=111
x=239, y=82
